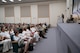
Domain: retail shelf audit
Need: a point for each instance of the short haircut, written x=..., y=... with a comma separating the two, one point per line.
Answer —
x=2, y=28
x=20, y=30
x=16, y=31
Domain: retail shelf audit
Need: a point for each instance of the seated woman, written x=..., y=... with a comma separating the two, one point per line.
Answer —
x=28, y=34
x=35, y=33
x=6, y=39
x=21, y=43
x=22, y=36
x=11, y=31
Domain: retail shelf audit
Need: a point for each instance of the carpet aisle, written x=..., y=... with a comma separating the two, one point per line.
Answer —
x=48, y=45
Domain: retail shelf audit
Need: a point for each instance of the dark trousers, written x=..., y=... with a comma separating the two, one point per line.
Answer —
x=41, y=34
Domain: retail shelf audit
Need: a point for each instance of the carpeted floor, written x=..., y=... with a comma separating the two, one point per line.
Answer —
x=49, y=45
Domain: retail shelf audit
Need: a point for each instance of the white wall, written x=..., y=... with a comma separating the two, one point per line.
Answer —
x=34, y=14
x=17, y=14
x=69, y=8
x=2, y=20
x=56, y=8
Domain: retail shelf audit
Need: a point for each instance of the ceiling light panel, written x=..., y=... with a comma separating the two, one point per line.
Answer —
x=19, y=0
x=11, y=0
x=4, y=1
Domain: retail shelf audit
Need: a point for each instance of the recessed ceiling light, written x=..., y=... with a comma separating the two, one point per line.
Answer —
x=11, y=0
x=19, y=0
x=4, y=1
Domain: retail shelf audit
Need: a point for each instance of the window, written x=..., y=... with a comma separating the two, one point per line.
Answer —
x=43, y=11
x=9, y=11
x=25, y=11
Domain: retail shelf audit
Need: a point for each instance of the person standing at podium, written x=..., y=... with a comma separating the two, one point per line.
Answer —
x=62, y=18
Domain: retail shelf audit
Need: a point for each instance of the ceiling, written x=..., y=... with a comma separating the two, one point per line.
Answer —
x=23, y=1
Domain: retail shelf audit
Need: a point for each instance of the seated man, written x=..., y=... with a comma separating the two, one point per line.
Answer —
x=71, y=20
x=17, y=38
x=44, y=27
x=41, y=31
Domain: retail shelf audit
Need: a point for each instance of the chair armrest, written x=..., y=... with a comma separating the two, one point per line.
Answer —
x=14, y=42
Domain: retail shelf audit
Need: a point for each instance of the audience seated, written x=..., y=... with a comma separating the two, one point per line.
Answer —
x=23, y=36
x=18, y=37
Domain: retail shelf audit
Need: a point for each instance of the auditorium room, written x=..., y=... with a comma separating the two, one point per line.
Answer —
x=39, y=26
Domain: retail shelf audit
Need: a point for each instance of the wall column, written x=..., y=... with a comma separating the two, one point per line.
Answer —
x=34, y=14
x=17, y=14
x=69, y=8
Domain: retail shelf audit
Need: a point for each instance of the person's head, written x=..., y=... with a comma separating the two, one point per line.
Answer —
x=3, y=29
x=24, y=29
x=28, y=28
x=63, y=16
x=71, y=16
x=20, y=30
x=6, y=29
x=16, y=32
x=10, y=29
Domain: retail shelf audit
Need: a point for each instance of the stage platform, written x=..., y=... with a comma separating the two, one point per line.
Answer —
x=69, y=34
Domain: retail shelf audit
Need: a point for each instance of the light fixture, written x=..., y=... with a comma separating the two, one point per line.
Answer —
x=19, y=0
x=11, y=0
x=4, y=1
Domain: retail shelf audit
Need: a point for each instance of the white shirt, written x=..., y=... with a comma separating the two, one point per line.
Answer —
x=22, y=35
x=2, y=34
x=33, y=29
x=16, y=38
x=28, y=32
x=19, y=39
x=24, y=32
x=6, y=42
x=12, y=32
x=44, y=26
x=5, y=34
